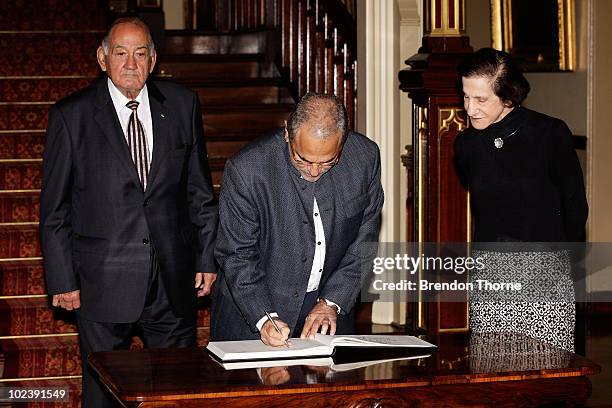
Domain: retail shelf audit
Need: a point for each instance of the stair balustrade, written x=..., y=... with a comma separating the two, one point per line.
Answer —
x=314, y=41
x=319, y=49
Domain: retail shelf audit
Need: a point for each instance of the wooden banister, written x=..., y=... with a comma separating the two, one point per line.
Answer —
x=318, y=49
x=316, y=40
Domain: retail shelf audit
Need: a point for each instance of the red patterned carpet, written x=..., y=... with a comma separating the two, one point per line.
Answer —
x=46, y=52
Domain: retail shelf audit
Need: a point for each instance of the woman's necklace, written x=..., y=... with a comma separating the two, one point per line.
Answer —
x=498, y=142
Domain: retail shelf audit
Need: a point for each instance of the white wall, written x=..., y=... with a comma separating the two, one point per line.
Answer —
x=564, y=95
x=380, y=106
x=599, y=131
x=388, y=34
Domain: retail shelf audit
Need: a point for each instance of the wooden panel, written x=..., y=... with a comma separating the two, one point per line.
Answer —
x=560, y=392
x=302, y=51
x=285, y=13
x=311, y=51
x=452, y=207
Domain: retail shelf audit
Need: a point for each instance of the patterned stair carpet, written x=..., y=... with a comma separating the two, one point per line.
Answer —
x=46, y=52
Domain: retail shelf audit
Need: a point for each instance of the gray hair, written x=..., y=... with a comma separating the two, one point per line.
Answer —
x=128, y=20
x=324, y=113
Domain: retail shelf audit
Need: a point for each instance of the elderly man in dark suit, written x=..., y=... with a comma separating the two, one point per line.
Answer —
x=127, y=213
x=295, y=208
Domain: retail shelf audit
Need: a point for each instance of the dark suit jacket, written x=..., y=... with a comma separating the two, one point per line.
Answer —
x=97, y=224
x=265, y=243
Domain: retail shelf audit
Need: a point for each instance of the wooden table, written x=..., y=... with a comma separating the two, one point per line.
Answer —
x=463, y=372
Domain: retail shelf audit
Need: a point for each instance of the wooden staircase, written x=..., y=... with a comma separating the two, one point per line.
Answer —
x=241, y=91
x=47, y=51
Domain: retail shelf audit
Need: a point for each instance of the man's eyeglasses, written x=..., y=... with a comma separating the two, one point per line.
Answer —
x=321, y=166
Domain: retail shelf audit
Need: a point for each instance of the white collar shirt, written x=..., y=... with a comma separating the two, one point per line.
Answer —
x=143, y=111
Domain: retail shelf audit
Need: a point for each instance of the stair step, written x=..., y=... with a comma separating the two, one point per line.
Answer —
x=247, y=91
x=19, y=65
x=46, y=15
x=48, y=356
x=27, y=316
x=35, y=357
x=26, y=277
x=46, y=5
x=249, y=94
x=188, y=42
x=41, y=356
x=215, y=66
x=19, y=206
x=24, y=117
x=29, y=145
x=22, y=277
x=260, y=117
x=23, y=126
x=48, y=18
x=73, y=385
x=40, y=89
x=224, y=149
x=253, y=119
x=25, y=174
x=52, y=20
x=64, y=43
x=19, y=241
x=32, y=316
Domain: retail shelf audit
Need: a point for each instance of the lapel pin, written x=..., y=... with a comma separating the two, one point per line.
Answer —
x=162, y=115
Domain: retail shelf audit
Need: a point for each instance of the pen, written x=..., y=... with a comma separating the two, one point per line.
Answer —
x=276, y=328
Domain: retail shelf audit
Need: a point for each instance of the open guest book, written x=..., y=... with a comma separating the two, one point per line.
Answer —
x=323, y=345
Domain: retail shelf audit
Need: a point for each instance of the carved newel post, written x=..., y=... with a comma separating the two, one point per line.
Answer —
x=437, y=205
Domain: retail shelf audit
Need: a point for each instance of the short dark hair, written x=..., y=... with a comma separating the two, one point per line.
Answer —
x=507, y=80
x=323, y=112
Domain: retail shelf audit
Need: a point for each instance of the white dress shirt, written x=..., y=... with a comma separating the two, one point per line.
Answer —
x=319, y=256
x=317, y=262
x=143, y=111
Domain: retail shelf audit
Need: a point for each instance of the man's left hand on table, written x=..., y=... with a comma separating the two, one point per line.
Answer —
x=321, y=317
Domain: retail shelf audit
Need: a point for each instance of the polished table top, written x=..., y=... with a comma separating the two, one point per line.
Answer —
x=147, y=375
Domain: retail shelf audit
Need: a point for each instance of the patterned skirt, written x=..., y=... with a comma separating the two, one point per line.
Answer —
x=540, y=303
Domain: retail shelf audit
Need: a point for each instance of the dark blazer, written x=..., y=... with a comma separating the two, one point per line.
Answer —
x=531, y=189
x=265, y=243
x=97, y=224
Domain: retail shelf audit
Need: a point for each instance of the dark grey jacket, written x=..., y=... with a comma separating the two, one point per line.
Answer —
x=265, y=242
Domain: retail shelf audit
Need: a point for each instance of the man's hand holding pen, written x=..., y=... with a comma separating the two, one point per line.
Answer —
x=275, y=332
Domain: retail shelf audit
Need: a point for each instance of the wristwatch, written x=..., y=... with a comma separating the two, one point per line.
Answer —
x=330, y=304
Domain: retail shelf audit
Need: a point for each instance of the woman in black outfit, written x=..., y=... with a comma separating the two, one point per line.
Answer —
x=526, y=186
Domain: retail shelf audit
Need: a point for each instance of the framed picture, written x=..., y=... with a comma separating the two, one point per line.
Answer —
x=539, y=34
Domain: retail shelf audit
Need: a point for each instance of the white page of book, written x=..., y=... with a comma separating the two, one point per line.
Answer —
x=255, y=349
x=372, y=340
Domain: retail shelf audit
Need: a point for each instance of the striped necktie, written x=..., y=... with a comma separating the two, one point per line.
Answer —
x=137, y=142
